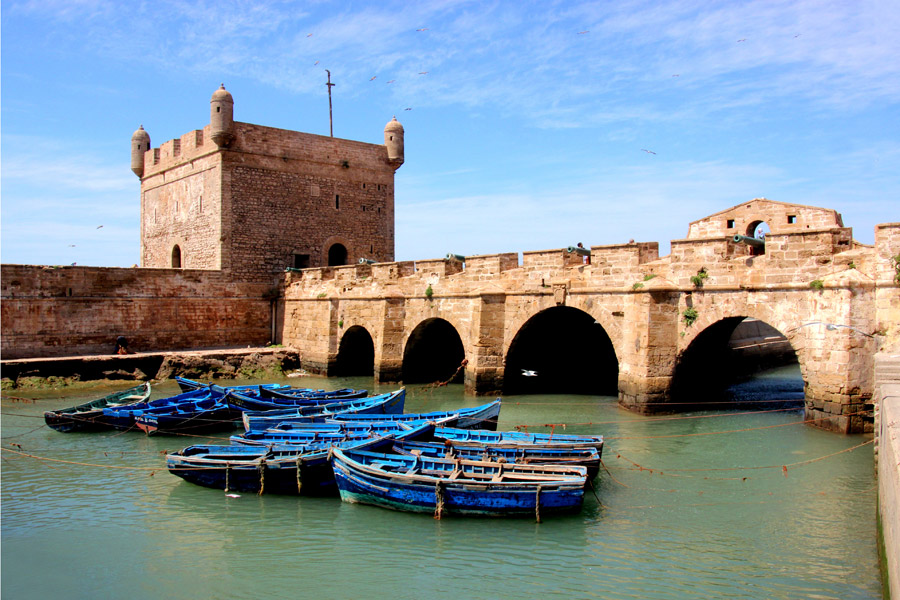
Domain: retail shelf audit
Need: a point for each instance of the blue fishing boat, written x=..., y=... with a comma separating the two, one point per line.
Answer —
x=296, y=469
x=476, y=417
x=289, y=393
x=480, y=437
x=187, y=385
x=123, y=417
x=305, y=433
x=88, y=416
x=523, y=454
x=243, y=401
x=382, y=404
x=205, y=416
x=446, y=486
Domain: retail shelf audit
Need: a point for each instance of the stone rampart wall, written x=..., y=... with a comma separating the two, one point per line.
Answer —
x=67, y=311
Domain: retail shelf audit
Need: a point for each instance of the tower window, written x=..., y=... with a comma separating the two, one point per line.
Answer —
x=792, y=219
x=176, y=257
x=337, y=201
x=218, y=108
x=729, y=223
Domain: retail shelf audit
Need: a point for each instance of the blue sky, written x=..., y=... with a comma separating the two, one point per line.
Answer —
x=529, y=129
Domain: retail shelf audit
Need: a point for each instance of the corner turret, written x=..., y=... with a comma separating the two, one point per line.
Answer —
x=393, y=139
x=140, y=143
x=221, y=119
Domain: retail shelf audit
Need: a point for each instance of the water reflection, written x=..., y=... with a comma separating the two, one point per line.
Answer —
x=684, y=511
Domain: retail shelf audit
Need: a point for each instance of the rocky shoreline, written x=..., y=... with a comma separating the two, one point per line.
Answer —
x=232, y=363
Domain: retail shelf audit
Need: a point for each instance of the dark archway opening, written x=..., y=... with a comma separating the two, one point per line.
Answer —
x=356, y=354
x=337, y=255
x=738, y=362
x=561, y=350
x=176, y=257
x=433, y=354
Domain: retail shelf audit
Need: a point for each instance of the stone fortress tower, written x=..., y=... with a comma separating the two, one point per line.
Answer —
x=254, y=200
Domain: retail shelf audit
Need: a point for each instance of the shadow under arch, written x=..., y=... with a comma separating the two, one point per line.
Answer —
x=433, y=353
x=561, y=350
x=720, y=365
x=356, y=353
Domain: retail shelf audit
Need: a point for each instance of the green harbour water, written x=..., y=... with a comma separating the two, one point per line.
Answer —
x=733, y=504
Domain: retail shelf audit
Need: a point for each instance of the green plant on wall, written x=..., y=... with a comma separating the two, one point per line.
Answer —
x=649, y=276
x=698, y=279
x=690, y=315
x=817, y=284
x=341, y=323
x=637, y=285
x=895, y=262
x=429, y=292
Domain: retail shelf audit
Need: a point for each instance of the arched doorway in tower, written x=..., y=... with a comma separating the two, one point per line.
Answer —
x=561, y=350
x=433, y=353
x=337, y=255
x=737, y=361
x=356, y=353
x=176, y=257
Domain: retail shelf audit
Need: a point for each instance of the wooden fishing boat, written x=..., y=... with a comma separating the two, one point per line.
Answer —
x=88, y=416
x=456, y=486
x=383, y=404
x=521, y=454
x=479, y=437
x=187, y=385
x=290, y=393
x=305, y=433
x=296, y=469
x=123, y=417
x=477, y=417
x=205, y=416
x=256, y=401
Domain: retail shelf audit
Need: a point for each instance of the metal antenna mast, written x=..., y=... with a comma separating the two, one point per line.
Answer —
x=330, y=119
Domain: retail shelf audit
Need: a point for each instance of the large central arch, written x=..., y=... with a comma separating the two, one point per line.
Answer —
x=561, y=350
x=434, y=353
x=715, y=368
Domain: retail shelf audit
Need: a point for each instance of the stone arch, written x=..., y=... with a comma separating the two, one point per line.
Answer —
x=433, y=353
x=356, y=353
x=708, y=365
x=561, y=349
x=177, y=260
x=336, y=251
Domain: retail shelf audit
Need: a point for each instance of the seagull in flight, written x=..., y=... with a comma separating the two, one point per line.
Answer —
x=408, y=108
x=308, y=35
x=529, y=373
x=583, y=32
x=742, y=40
x=99, y=226
x=391, y=81
x=423, y=72
x=648, y=151
x=422, y=29
x=373, y=77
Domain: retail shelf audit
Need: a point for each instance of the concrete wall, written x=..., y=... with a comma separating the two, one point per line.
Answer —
x=67, y=311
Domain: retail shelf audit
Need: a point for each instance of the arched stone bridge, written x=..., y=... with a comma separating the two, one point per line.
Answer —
x=622, y=320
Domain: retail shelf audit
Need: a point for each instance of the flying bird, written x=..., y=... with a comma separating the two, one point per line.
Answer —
x=648, y=151
x=422, y=29
x=742, y=40
x=677, y=75
x=583, y=32
x=529, y=373
x=423, y=72
x=71, y=245
x=99, y=226
x=315, y=63
x=392, y=81
x=373, y=78
x=408, y=108
x=308, y=35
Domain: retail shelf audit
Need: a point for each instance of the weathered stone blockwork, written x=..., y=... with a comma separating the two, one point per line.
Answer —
x=67, y=311
x=271, y=195
x=639, y=299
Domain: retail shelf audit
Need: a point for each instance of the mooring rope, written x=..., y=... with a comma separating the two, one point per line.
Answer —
x=438, y=500
x=537, y=504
